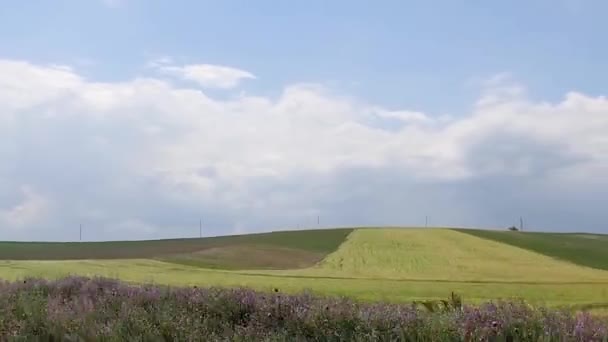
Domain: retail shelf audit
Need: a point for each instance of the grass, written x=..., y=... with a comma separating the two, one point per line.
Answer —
x=394, y=265
x=286, y=249
x=247, y=256
x=150, y=271
x=444, y=255
x=590, y=250
x=84, y=309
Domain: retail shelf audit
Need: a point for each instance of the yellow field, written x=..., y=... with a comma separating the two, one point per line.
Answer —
x=442, y=254
x=147, y=271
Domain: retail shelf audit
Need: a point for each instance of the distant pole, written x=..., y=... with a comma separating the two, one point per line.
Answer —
x=318, y=220
x=200, y=228
x=521, y=224
x=80, y=237
x=426, y=222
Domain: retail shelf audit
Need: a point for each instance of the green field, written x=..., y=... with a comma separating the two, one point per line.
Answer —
x=369, y=264
x=580, y=248
x=285, y=249
x=445, y=255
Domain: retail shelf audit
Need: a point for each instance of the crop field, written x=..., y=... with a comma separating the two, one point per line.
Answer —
x=580, y=248
x=265, y=250
x=373, y=264
x=445, y=255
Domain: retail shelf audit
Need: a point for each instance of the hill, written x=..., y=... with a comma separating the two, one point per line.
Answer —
x=445, y=255
x=393, y=265
x=590, y=250
x=284, y=249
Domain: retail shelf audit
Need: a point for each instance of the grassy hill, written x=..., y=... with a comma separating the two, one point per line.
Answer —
x=445, y=255
x=584, y=249
x=370, y=264
x=285, y=249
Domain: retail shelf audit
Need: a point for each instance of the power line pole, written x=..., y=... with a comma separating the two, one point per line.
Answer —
x=200, y=228
x=426, y=221
x=80, y=236
x=318, y=220
x=521, y=224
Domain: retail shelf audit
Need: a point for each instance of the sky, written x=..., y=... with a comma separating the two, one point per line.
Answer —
x=145, y=119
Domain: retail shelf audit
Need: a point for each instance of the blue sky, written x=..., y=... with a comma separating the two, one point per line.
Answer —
x=391, y=110
x=422, y=54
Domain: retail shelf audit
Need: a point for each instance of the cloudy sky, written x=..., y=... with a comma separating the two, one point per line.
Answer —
x=139, y=118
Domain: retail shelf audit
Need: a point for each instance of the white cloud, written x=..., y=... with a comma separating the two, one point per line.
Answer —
x=31, y=209
x=162, y=61
x=406, y=116
x=206, y=75
x=152, y=154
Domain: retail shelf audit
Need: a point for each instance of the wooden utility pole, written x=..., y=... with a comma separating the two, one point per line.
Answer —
x=521, y=224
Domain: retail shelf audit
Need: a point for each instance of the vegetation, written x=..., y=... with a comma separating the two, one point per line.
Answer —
x=287, y=249
x=369, y=290
x=454, y=303
x=590, y=250
x=444, y=255
x=101, y=309
x=390, y=265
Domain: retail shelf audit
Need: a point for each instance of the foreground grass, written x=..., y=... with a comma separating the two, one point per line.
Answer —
x=590, y=250
x=446, y=255
x=274, y=250
x=150, y=271
x=77, y=309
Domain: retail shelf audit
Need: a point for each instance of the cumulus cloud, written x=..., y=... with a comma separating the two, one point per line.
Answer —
x=205, y=75
x=152, y=158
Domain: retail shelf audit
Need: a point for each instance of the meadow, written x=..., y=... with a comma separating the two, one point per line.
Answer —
x=365, y=284
x=264, y=250
x=373, y=264
x=82, y=309
x=580, y=248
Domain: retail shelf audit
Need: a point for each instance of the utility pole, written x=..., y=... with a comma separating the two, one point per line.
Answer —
x=521, y=224
x=80, y=237
x=318, y=220
x=200, y=228
x=426, y=221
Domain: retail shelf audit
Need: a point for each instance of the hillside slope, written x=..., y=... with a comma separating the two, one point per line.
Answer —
x=274, y=250
x=584, y=249
x=373, y=264
x=446, y=255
